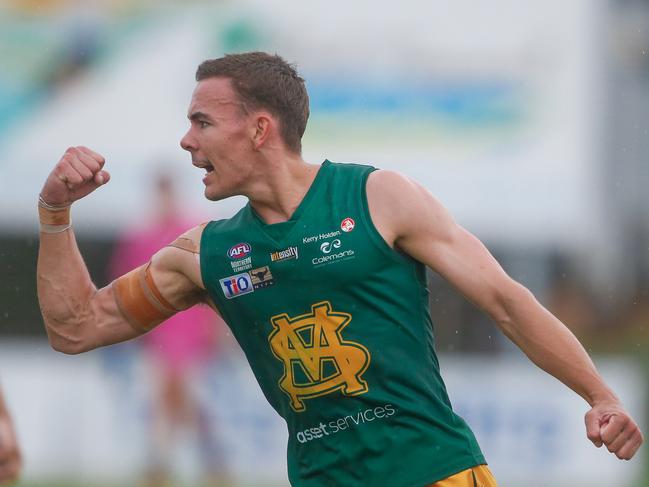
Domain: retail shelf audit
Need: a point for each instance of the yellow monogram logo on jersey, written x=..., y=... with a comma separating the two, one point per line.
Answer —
x=317, y=361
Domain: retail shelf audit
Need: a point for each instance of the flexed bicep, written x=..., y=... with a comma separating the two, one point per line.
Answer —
x=78, y=317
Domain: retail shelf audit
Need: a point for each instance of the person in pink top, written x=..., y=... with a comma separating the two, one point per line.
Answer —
x=177, y=350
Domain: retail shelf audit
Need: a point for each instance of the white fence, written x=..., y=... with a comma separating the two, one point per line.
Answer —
x=85, y=417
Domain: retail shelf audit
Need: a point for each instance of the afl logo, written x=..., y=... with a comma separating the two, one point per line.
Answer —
x=347, y=225
x=239, y=250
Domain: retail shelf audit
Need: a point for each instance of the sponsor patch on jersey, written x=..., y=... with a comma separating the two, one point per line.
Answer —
x=327, y=247
x=320, y=236
x=236, y=285
x=286, y=254
x=241, y=265
x=239, y=251
x=331, y=252
x=347, y=225
x=261, y=277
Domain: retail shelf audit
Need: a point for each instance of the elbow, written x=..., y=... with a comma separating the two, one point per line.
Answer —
x=508, y=306
x=68, y=329
x=506, y=325
x=68, y=343
x=68, y=347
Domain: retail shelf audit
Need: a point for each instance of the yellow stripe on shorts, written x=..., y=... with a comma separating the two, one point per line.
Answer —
x=479, y=476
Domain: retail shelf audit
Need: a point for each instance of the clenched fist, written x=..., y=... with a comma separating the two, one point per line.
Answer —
x=610, y=425
x=77, y=174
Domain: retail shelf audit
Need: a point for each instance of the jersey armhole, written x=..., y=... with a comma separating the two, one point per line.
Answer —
x=201, y=256
x=372, y=231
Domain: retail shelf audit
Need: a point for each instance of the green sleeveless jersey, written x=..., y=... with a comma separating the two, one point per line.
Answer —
x=336, y=327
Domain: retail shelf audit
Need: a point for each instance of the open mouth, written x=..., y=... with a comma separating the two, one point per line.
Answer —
x=204, y=164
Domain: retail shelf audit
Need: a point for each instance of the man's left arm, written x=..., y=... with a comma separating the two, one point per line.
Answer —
x=410, y=218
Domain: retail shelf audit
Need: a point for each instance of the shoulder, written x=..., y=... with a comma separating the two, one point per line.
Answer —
x=395, y=194
x=384, y=184
x=195, y=233
x=190, y=241
x=400, y=206
x=181, y=255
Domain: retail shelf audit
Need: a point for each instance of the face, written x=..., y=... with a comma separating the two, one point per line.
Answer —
x=219, y=138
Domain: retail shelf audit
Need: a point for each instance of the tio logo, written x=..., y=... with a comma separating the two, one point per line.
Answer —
x=234, y=286
x=347, y=225
x=327, y=247
x=239, y=250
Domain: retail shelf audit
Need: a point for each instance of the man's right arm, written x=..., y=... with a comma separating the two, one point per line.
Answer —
x=78, y=316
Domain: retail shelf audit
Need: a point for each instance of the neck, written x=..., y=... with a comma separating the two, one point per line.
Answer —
x=285, y=182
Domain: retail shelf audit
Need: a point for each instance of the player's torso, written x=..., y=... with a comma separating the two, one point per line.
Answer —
x=334, y=324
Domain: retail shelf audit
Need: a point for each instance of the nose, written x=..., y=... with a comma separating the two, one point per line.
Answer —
x=187, y=142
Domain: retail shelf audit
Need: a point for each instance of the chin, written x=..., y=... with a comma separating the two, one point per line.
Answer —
x=215, y=195
x=208, y=195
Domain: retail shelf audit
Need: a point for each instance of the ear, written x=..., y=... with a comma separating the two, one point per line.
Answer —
x=262, y=128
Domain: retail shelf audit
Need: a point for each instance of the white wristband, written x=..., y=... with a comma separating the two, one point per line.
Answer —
x=53, y=219
x=45, y=228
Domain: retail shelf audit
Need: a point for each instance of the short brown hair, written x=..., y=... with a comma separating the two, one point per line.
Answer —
x=265, y=81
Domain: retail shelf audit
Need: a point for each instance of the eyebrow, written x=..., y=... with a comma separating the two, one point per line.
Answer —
x=198, y=115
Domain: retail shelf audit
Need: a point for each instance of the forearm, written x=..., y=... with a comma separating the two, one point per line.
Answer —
x=65, y=289
x=551, y=345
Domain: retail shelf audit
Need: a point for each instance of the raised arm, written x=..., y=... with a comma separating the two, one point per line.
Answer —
x=435, y=239
x=10, y=459
x=78, y=316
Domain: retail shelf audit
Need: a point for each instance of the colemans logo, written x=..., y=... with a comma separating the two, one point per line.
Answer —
x=317, y=360
x=239, y=250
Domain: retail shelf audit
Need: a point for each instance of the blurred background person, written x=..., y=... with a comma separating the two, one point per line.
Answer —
x=177, y=353
x=10, y=459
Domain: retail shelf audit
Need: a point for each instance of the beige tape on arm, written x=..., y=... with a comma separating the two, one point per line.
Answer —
x=139, y=299
x=187, y=244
